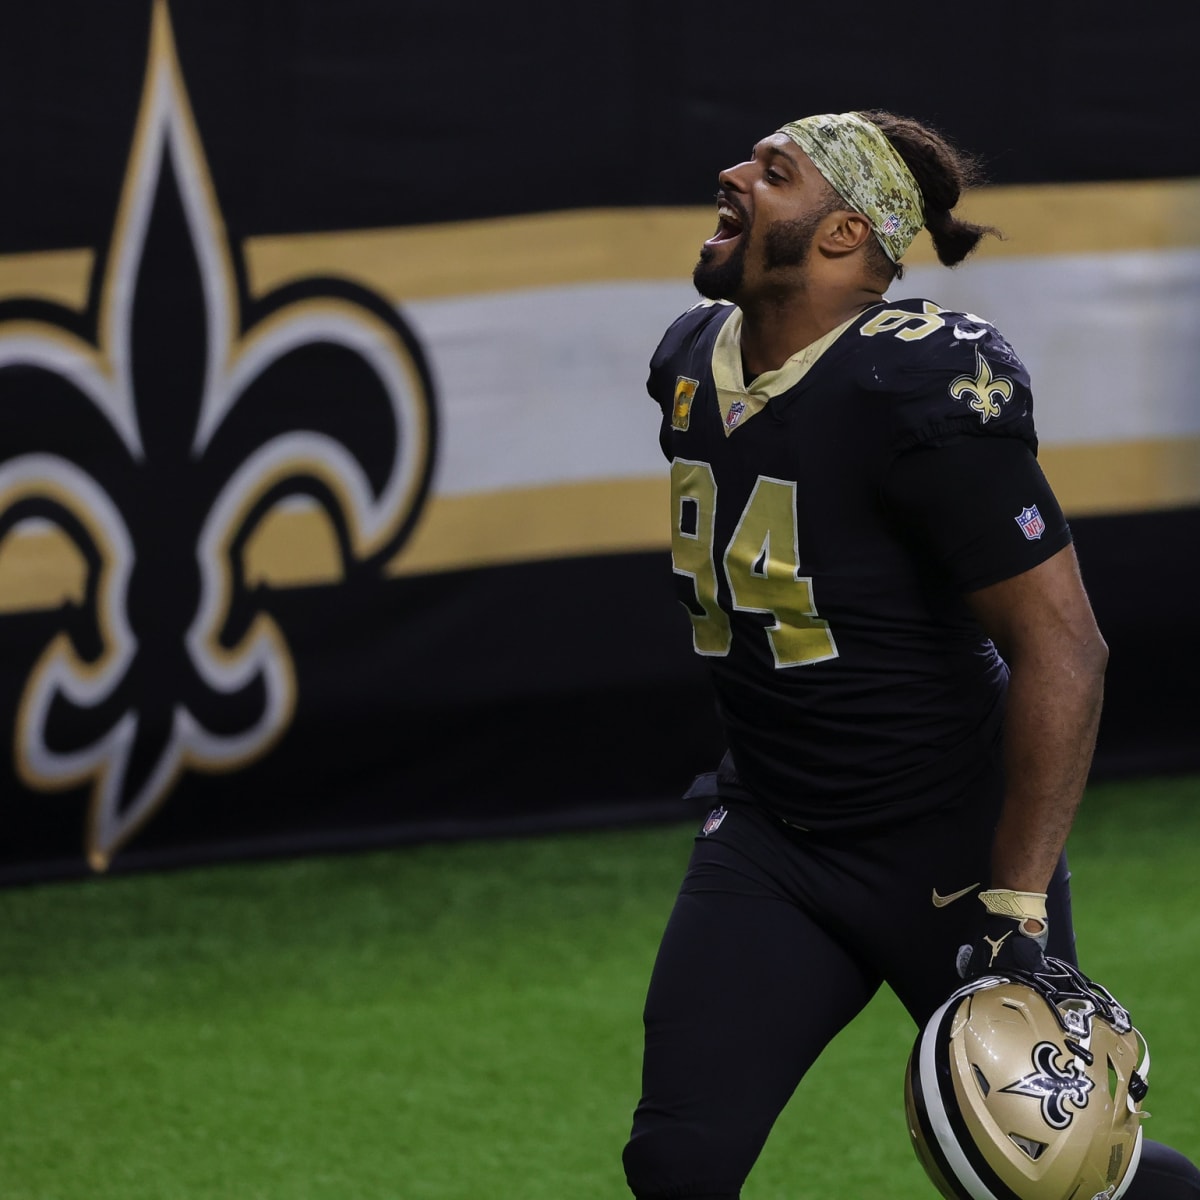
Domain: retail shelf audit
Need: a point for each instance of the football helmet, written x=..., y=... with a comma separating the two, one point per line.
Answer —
x=1028, y=1089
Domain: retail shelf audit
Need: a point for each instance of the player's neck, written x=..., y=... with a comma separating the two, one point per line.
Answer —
x=775, y=328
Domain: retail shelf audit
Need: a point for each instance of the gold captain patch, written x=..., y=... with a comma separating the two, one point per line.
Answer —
x=681, y=410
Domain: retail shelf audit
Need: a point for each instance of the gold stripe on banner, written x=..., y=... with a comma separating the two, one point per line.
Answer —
x=500, y=254
x=565, y=520
x=296, y=547
x=614, y=516
x=1123, y=477
x=550, y=249
x=1081, y=218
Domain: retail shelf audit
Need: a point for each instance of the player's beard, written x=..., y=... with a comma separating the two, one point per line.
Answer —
x=721, y=280
x=786, y=244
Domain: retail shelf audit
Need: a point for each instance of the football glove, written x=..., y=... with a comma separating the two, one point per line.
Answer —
x=1011, y=939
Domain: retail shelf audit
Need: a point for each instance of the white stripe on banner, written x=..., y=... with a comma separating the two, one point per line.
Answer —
x=547, y=386
x=1112, y=341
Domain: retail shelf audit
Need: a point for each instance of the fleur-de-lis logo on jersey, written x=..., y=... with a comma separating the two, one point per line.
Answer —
x=176, y=419
x=987, y=392
x=1053, y=1086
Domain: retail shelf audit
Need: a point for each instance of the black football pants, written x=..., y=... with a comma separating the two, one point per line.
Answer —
x=777, y=940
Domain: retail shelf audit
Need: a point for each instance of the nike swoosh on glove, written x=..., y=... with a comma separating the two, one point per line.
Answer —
x=1011, y=939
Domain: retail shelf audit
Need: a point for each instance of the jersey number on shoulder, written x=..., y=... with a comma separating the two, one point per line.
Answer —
x=907, y=326
x=761, y=565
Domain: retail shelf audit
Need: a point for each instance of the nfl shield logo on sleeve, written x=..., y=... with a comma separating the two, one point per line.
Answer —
x=1031, y=523
x=713, y=823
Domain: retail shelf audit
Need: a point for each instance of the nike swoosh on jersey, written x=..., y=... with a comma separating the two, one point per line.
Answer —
x=940, y=901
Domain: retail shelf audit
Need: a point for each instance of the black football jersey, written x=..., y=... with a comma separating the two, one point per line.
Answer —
x=827, y=520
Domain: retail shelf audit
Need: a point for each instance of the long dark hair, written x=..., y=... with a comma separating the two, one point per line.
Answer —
x=943, y=173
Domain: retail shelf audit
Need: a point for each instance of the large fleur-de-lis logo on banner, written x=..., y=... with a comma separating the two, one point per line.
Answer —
x=160, y=434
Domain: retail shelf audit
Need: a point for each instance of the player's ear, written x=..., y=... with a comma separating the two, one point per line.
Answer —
x=845, y=232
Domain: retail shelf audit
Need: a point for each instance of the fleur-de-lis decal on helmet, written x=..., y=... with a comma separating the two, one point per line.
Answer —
x=1053, y=1086
x=175, y=418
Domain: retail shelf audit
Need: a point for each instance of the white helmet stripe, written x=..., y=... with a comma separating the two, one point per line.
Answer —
x=1131, y=1171
x=964, y=1174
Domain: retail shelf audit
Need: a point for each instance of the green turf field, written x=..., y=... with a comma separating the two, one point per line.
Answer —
x=461, y=1022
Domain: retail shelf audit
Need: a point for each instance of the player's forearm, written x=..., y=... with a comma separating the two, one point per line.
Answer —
x=1053, y=711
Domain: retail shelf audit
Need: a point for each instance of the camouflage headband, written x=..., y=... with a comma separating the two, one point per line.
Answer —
x=862, y=166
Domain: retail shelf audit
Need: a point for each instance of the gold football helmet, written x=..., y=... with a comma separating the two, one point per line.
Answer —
x=1028, y=1090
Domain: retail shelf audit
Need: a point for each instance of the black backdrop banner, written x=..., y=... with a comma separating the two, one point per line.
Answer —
x=325, y=518
x=363, y=113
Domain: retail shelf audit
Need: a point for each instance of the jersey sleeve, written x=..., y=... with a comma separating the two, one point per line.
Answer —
x=979, y=509
x=965, y=380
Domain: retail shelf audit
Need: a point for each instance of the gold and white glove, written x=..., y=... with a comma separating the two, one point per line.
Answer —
x=1012, y=936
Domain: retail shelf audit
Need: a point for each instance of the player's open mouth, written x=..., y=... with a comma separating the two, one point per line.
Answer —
x=729, y=226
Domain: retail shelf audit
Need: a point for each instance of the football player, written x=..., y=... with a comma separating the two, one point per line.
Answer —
x=907, y=668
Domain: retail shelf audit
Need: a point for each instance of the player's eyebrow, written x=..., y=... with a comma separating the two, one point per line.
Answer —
x=771, y=150
x=780, y=153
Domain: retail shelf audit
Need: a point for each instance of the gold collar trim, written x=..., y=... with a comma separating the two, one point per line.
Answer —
x=738, y=403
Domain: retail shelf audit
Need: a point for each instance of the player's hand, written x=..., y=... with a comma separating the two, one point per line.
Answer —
x=1011, y=938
